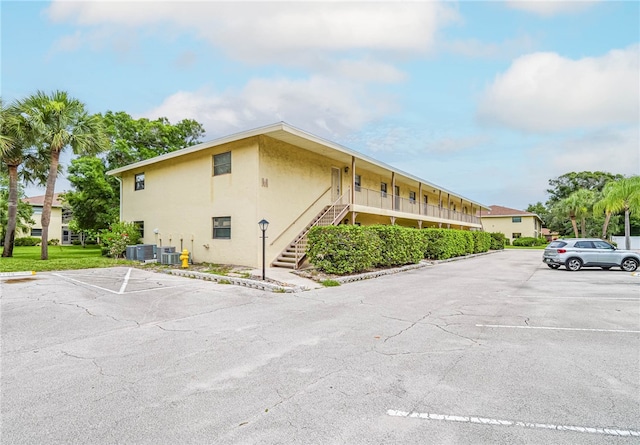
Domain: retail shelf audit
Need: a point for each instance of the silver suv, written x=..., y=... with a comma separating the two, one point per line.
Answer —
x=576, y=253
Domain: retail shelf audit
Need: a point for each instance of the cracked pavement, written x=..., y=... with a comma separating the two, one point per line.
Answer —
x=165, y=359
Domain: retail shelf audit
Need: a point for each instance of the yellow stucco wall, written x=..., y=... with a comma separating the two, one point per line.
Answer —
x=55, y=225
x=271, y=179
x=529, y=227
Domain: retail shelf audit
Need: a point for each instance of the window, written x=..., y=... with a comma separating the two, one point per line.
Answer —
x=516, y=235
x=140, y=225
x=36, y=232
x=358, y=183
x=603, y=245
x=222, y=164
x=222, y=227
x=37, y=210
x=383, y=189
x=516, y=219
x=412, y=197
x=139, y=183
x=584, y=245
x=425, y=198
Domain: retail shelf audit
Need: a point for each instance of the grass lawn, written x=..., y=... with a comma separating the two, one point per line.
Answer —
x=60, y=258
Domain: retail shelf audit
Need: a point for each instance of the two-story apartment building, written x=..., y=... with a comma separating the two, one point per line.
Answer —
x=209, y=198
x=511, y=222
x=58, y=225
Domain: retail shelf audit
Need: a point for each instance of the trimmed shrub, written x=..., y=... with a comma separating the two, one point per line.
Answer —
x=442, y=244
x=119, y=236
x=498, y=241
x=53, y=242
x=343, y=249
x=529, y=241
x=399, y=245
x=27, y=241
x=482, y=241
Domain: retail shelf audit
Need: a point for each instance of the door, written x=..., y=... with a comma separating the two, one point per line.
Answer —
x=336, y=189
x=396, y=197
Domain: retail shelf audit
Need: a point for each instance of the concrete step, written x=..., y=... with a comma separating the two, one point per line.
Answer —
x=284, y=265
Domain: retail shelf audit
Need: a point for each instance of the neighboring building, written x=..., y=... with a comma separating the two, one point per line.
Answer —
x=511, y=222
x=58, y=224
x=549, y=235
x=208, y=198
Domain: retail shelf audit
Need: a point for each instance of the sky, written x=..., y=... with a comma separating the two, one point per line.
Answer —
x=489, y=99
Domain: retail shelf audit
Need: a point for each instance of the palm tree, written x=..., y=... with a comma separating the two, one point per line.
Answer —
x=577, y=206
x=60, y=121
x=621, y=196
x=16, y=149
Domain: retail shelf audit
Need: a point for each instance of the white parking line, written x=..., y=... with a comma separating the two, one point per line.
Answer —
x=488, y=421
x=552, y=328
x=125, y=282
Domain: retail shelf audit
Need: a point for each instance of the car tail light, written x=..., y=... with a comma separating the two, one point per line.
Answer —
x=562, y=250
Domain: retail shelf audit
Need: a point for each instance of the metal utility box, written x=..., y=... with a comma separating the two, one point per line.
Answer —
x=130, y=253
x=144, y=252
x=164, y=249
x=170, y=258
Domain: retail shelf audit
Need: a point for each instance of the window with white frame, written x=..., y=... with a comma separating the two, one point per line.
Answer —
x=412, y=197
x=383, y=189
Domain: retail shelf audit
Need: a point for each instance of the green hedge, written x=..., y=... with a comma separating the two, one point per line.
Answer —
x=344, y=249
x=349, y=249
x=399, y=245
x=528, y=241
x=498, y=241
x=27, y=241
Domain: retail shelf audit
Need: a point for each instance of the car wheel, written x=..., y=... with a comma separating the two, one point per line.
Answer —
x=573, y=264
x=553, y=266
x=606, y=268
x=629, y=265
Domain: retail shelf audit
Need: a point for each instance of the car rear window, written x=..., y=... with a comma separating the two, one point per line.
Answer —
x=557, y=244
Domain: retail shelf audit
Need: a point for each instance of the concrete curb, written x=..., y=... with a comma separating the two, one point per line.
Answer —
x=222, y=279
x=420, y=265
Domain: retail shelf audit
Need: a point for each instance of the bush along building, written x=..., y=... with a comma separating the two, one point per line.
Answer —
x=209, y=198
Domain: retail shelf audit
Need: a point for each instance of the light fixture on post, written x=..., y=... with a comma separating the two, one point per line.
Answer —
x=263, y=224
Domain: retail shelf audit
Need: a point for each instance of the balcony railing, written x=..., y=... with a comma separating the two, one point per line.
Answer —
x=381, y=200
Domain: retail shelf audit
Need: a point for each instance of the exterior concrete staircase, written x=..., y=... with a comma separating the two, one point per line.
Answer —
x=295, y=253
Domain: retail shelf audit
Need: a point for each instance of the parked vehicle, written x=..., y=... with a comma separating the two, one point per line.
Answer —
x=577, y=253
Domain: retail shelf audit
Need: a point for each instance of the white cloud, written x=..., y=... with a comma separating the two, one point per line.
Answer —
x=262, y=31
x=318, y=104
x=544, y=92
x=551, y=7
x=490, y=50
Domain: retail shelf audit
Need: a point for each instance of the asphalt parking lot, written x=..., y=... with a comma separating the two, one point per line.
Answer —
x=497, y=349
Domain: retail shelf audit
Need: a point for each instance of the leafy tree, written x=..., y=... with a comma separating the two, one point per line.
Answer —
x=134, y=140
x=565, y=185
x=577, y=206
x=621, y=196
x=59, y=121
x=92, y=201
x=539, y=209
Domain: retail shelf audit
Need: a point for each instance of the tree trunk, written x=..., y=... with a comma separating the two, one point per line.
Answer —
x=575, y=226
x=605, y=225
x=12, y=215
x=48, y=201
x=627, y=229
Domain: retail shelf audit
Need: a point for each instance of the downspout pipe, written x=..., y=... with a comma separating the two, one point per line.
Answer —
x=119, y=179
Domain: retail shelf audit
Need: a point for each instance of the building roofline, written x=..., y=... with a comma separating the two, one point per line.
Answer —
x=272, y=131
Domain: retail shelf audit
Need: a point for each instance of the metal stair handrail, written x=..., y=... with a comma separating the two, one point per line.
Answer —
x=303, y=235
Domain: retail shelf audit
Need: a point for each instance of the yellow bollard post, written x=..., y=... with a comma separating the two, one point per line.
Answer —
x=185, y=258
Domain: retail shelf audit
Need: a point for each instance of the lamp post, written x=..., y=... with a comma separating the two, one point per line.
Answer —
x=263, y=224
